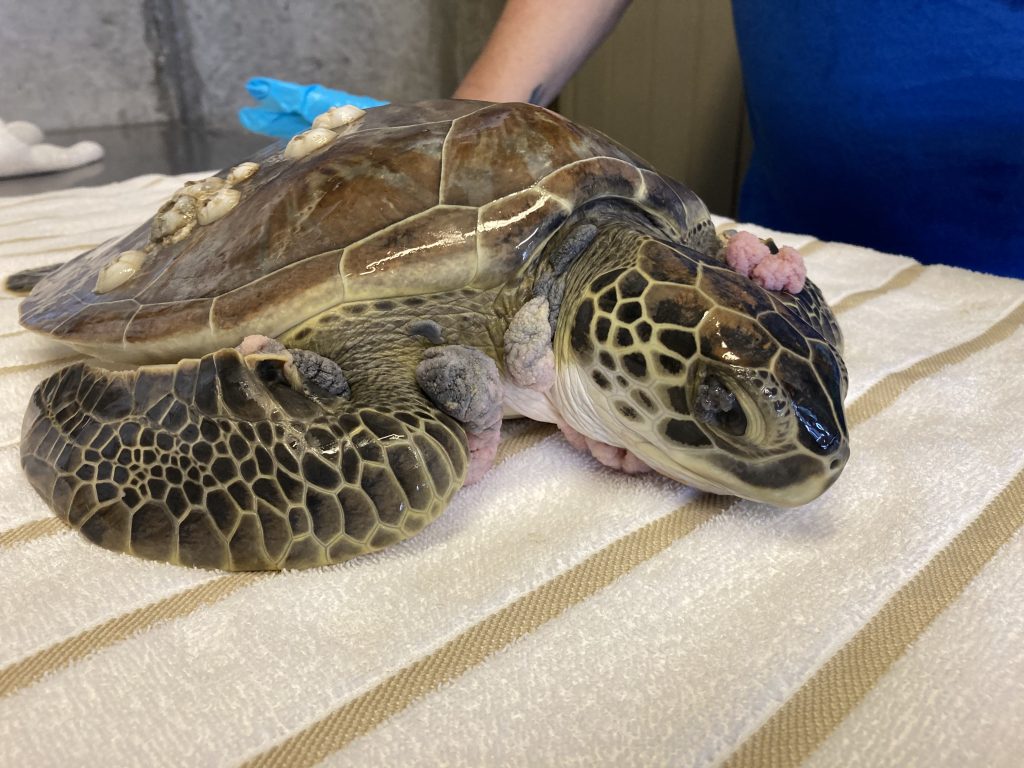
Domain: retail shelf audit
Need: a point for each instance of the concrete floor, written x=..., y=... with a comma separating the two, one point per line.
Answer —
x=140, y=149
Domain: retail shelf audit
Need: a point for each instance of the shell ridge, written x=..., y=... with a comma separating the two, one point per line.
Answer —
x=156, y=277
x=443, y=163
x=398, y=224
x=56, y=332
x=127, y=325
x=209, y=320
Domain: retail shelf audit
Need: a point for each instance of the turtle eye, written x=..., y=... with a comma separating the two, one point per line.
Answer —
x=717, y=406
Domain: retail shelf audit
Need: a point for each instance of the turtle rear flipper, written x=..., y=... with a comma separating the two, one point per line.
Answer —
x=221, y=462
x=22, y=283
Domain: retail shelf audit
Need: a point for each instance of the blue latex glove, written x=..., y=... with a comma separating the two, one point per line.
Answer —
x=289, y=108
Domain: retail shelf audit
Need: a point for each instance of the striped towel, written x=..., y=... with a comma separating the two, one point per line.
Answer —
x=560, y=613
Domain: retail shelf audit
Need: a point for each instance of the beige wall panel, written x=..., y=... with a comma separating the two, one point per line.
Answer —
x=667, y=84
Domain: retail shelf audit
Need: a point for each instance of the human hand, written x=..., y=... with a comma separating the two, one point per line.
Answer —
x=286, y=109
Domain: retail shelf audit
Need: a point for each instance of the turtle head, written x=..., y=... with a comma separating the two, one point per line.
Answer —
x=704, y=375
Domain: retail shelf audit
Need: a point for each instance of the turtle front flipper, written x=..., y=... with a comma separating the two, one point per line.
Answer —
x=224, y=462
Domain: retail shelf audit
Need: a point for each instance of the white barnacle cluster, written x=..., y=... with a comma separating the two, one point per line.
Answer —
x=325, y=129
x=197, y=203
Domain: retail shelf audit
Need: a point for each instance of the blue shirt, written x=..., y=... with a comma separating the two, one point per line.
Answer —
x=898, y=125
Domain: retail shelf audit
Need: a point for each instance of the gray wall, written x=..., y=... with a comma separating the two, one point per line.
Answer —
x=75, y=63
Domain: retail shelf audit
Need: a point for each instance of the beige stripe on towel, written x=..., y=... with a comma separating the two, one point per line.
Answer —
x=474, y=646
x=900, y=280
x=76, y=647
x=36, y=529
x=892, y=386
x=954, y=697
x=808, y=717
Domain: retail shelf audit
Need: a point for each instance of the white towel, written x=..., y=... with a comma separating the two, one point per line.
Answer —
x=22, y=151
x=560, y=613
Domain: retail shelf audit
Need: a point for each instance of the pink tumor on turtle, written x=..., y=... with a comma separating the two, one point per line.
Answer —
x=781, y=269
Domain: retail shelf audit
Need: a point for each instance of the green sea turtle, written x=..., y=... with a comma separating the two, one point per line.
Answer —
x=331, y=333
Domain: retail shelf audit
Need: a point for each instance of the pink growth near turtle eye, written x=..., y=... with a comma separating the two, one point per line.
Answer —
x=782, y=271
x=745, y=251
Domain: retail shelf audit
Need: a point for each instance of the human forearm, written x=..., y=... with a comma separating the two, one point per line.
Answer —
x=536, y=47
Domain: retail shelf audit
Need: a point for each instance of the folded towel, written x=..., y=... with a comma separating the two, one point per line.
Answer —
x=559, y=612
x=22, y=151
